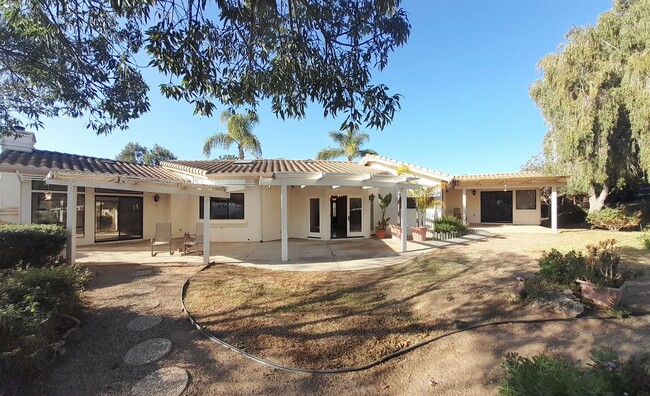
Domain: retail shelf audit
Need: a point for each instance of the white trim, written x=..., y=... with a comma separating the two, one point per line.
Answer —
x=283, y=220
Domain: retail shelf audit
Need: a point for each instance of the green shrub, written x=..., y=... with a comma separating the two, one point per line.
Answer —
x=645, y=239
x=614, y=219
x=449, y=223
x=561, y=268
x=33, y=244
x=32, y=302
x=608, y=375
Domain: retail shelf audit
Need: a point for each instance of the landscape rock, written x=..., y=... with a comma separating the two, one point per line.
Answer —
x=562, y=304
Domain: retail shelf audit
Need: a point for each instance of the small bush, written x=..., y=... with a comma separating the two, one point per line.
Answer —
x=614, y=219
x=606, y=375
x=561, y=268
x=449, y=223
x=33, y=244
x=645, y=239
x=32, y=302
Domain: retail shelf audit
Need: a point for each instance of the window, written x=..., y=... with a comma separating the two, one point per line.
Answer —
x=410, y=203
x=51, y=207
x=225, y=208
x=526, y=199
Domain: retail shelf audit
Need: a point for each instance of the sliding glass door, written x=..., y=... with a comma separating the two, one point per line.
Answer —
x=118, y=218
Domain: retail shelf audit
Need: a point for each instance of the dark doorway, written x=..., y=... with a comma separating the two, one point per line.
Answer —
x=118, y=218
x=339, y=216
x=496, y=206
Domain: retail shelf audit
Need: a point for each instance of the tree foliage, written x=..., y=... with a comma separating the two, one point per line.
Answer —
x=71, y=58
x=348, y=145
x=76, y=57
x=138, y=154
x=239, y=131
x=595, y=98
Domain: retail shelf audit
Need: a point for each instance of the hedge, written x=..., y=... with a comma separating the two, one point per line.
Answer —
x=30, y=244
x=33, y=305
x=614, y=219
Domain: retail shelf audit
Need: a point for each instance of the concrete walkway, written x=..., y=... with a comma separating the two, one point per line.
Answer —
x=304, y=255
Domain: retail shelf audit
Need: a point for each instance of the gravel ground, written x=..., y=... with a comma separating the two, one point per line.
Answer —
x=463, y=364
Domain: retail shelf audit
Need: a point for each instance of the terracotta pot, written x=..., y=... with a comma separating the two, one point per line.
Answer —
x=381, y=234
x=607, y=297
x=419, y=233
x=396, y=232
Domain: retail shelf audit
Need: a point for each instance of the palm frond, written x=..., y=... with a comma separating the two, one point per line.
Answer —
x=222, y=140
x=329, y=153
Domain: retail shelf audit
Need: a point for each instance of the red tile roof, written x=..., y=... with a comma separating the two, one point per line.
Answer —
x=261, y=167
x=45, y=161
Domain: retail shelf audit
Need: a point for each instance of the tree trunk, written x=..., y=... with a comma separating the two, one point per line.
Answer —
x=597, y=201
x=241, y=152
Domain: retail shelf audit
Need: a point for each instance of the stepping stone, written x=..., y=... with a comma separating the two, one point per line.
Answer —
x=135, y=274
x=148, y=351
x=143, y=323
x=146, y=304
x=168, y=381
x=142, y=290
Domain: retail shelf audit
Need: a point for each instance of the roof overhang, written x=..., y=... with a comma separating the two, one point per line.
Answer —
x=513, y=181
x=339, y=179
x=132, y=183
x=388, y=164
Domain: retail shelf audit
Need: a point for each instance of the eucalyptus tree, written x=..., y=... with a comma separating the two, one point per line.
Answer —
x=78, y=57
x=239, y=131
x=595, y=98
x=348, y=145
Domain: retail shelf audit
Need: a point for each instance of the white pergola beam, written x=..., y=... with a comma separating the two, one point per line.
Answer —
x=464, y=206
x=403, y=221
x=284, y=227
x=206, y=229
x=153, y=188
x=71, y=224
x=554, y=208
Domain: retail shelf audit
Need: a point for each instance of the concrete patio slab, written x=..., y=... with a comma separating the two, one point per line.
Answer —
x=304, y=254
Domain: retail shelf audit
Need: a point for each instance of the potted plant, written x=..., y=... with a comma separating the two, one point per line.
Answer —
x=423, y=201
x=383, y=223
x=396, y=231
x=601, y=279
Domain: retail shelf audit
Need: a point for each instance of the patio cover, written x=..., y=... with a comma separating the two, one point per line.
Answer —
x=72, y=179
x=368, y=180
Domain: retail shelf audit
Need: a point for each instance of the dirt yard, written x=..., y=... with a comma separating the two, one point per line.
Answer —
x=450, y=287
x=347, y=319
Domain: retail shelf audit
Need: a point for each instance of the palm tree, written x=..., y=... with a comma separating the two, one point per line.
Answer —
x=239, y=129
x=349, y=145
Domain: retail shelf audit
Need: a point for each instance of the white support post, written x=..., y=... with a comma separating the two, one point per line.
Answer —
x=554, y=208
x=283, y=216
x=71, y=224
x=403, y=221
x=464, y=206
x=206, y=229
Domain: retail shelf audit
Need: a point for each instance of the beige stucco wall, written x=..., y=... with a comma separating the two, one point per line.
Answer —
x=9, y=197
x=454, y=199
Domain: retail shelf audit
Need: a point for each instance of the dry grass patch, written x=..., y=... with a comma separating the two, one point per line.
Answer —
x=342, y=319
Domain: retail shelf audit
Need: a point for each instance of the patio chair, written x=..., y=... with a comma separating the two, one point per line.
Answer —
x=194, y=240
x=163, y=237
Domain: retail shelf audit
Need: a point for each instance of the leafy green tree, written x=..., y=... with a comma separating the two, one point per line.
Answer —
x=76, y=57
x=72, y=58
x=239, y=130
x=349, y=145
x=138, y=154
x=595, y=98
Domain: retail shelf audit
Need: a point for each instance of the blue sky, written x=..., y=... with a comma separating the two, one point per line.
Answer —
x=464, y=75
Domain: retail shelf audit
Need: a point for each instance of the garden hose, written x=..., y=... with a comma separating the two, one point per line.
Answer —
x=379, y=361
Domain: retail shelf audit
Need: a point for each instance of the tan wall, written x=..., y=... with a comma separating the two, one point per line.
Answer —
x=454, y=199
x=9, y=198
